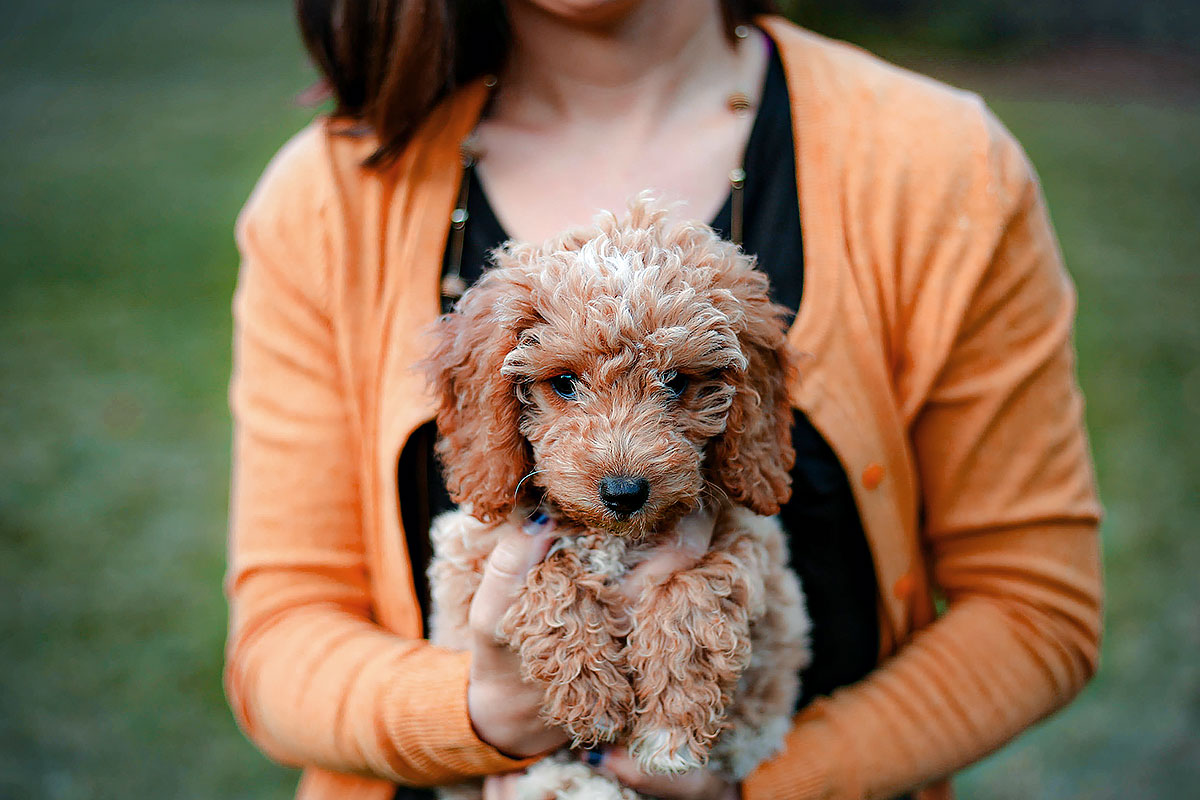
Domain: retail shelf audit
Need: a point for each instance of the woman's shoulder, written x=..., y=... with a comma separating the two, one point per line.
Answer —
x=930, y=179
x=855, y=85
x=878, y=119
x=889, y=133
x=294, y=219
x=308, y=169
x=323, y=169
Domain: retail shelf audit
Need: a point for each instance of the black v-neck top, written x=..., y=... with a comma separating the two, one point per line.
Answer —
x=828, y=546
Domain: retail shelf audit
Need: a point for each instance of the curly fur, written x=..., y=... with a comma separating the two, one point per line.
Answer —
x=705, y=663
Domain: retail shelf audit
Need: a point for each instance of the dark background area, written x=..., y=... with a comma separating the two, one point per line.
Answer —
x=131, y=134
x=1005, y=23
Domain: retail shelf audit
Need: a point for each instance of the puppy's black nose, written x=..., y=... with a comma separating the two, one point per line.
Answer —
x=624, y=495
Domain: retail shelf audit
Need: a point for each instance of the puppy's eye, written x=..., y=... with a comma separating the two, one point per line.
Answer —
x=565, y=386
x=675, y=384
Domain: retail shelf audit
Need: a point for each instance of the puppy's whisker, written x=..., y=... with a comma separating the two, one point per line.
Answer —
x=517, y=490
x=715, y=489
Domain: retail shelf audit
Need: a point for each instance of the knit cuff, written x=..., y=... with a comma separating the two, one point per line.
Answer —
x=428, y=723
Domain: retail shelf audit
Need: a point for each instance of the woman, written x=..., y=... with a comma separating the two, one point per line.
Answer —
x=931, y=307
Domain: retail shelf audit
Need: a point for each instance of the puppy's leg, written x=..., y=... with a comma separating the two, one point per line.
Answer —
x=689, y=644
x=765, y=700
x=567, y=627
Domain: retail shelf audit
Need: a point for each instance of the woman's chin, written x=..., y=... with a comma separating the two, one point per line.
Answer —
x=588, y=13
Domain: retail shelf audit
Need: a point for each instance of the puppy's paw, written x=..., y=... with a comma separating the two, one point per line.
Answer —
x=563, y=777
x=663, y=751
x=593, y=704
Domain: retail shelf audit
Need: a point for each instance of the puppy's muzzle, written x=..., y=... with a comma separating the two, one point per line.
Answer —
x=624, y=495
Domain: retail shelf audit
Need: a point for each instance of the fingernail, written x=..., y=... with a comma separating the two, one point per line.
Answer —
x=538, y=523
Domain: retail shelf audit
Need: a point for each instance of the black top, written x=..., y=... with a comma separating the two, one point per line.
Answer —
x=828, y=546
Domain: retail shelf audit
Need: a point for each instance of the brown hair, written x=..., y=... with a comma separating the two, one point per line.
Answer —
x=387, y=63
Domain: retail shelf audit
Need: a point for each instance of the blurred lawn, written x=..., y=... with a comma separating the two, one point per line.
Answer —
x=131, y=134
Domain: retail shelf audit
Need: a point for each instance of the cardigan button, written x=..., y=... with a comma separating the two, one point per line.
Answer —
x=872, y=476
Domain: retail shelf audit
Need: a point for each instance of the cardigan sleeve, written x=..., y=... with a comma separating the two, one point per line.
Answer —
x=311, y=678
x=1009, y=510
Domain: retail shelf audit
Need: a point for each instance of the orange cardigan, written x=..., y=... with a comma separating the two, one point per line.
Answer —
x=935, y=324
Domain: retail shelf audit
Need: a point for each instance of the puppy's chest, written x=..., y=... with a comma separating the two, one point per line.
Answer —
x=602, y=553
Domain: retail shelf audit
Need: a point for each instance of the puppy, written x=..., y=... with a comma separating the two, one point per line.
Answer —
x=619, y=377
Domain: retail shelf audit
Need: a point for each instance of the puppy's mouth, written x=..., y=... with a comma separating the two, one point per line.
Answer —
x=621, y=505
x=624, y=495
x=629, y=512
x=629, y=503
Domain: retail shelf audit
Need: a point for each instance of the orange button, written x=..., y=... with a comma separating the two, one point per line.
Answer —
x=872, y=476
x=904, y=586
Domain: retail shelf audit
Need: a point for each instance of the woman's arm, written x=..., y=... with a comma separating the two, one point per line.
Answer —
x=310, y=676
x=986, y=381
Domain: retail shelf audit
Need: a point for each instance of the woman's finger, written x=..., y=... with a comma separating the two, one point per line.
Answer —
x=517, y=552
x=501, y=787
x=693, y=535
x=493, y=788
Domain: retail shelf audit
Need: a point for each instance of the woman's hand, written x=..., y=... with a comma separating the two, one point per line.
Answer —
x=504, y=708
x=697, y=784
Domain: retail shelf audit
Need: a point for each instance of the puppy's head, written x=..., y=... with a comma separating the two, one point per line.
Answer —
x=627, y=373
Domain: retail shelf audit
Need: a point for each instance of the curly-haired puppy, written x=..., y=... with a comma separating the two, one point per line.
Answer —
x=621, y=376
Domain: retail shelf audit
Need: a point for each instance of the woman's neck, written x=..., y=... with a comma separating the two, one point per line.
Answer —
x=642, y=61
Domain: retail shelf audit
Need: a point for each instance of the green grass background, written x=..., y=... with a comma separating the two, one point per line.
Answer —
x=131, y=133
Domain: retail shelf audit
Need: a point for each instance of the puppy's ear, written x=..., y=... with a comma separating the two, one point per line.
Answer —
x=752, y=460
x=484, y=456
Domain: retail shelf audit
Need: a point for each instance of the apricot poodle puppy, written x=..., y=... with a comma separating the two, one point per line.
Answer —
x=619, y=377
